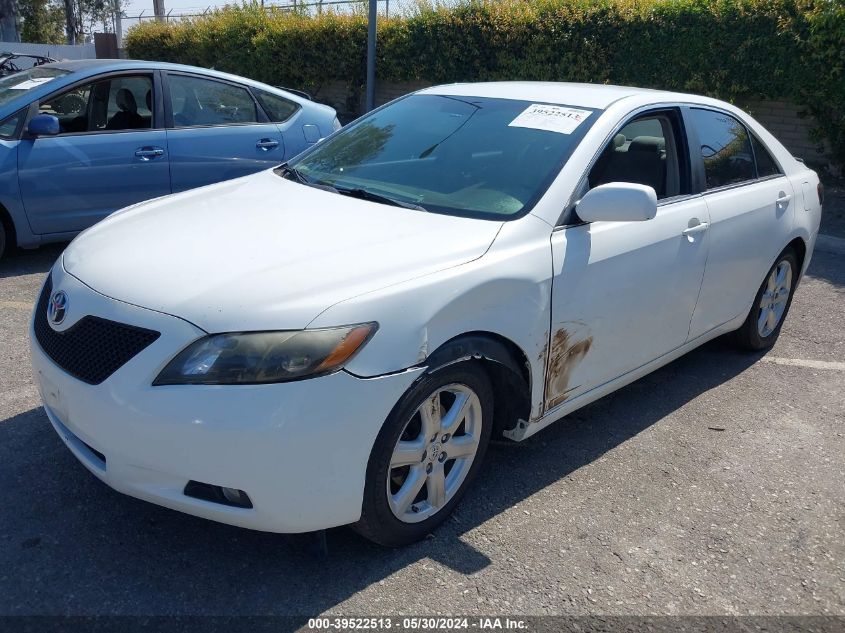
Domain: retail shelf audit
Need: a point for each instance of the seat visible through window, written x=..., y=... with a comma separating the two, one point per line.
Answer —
x=127, y=117
x=643, y=152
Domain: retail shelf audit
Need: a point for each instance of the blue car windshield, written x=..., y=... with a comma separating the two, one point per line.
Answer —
x=469, y=156
x=12, y=86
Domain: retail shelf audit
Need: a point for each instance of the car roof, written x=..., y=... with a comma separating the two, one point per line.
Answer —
x=106, y=65
x=599, y=96
x=82, y=68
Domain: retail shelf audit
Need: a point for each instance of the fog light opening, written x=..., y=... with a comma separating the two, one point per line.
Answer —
x=218, y=494
x=237, y=497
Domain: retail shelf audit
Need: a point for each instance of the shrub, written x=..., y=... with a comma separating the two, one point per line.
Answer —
x=731, y=49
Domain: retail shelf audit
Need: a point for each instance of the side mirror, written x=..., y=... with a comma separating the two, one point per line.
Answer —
x=43, y=125
x=618, y=202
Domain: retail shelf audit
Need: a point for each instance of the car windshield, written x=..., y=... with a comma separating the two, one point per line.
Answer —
x=15, y=85
x=469, y=156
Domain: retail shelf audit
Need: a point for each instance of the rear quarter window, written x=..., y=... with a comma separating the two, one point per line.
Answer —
x=766, y=165
x=278, y=108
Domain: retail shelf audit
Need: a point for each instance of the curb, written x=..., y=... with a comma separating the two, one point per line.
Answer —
x=830, y=244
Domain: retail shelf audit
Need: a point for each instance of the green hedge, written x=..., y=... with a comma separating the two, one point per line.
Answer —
x=733, y=49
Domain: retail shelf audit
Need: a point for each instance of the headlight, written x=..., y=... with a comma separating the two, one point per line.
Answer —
x=249, y=358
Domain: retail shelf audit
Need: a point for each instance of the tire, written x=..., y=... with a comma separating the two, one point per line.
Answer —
x=2, y=240
x=398, y=508
x=754, y=335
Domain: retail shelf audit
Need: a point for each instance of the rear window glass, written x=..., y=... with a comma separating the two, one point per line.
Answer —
x=725, y=148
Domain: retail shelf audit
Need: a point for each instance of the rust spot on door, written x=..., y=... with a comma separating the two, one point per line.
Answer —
x=567, y=350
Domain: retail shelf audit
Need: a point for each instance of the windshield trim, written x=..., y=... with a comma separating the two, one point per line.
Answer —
x=578, y=136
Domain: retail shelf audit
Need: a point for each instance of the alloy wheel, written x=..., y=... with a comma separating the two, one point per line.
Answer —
x=774, y=299
x=434, y=453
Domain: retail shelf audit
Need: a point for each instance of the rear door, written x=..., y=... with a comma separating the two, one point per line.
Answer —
x=291, y=119
x=751, y=205
x=111, y=152
x=217, y=132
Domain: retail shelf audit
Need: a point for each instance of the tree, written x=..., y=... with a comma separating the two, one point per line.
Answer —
x=43, y=21
x=84, y=17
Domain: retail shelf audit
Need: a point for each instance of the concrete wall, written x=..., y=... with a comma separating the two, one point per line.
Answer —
x=786, y=122
x=57, y=51
x=782, y=119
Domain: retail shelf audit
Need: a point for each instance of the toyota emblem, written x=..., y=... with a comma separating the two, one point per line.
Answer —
x=57, y=308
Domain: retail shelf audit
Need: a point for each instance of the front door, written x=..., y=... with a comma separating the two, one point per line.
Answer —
x=623, y=293
x=109, y=154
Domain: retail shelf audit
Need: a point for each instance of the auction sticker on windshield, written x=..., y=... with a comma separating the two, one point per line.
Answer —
x=551, y=118
x=31, y=83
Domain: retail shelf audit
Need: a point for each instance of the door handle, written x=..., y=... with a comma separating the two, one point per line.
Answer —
x=695, y=230
x=148, y=153
x=783, y=198
x=266, y=144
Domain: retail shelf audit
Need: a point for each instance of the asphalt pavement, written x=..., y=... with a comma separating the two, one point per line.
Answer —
x=715, y=485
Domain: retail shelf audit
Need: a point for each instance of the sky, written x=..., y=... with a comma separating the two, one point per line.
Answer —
x=134, y=7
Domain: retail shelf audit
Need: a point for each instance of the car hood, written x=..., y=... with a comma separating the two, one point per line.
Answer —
x=262, y=253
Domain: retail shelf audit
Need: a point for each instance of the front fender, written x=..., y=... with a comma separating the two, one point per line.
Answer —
x=10, y=194
x=506, y=292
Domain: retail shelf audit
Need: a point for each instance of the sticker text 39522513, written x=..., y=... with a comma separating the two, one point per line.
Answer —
x=550, y=117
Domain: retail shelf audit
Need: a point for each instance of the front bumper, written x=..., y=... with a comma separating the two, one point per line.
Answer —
x=298, y=449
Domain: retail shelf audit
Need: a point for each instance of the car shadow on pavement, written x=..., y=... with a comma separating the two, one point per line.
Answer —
x=71, y=545
x=23, y=262
x=829, y=267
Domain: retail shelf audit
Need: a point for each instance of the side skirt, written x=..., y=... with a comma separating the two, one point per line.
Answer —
x=524, y=430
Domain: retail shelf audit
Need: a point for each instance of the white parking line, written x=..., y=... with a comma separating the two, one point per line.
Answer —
x=807, y=364
x=17, y=305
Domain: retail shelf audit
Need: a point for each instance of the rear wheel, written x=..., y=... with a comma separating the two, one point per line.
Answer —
x=771, y=304
x=427, y=453
x=2, y=240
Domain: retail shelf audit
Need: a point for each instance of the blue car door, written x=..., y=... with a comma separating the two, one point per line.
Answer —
x=111, y=151
x=217, y=132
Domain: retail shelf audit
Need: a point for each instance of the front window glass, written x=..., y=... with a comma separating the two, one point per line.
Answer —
x=119, y=103
x=474, y=156
x=13, y=86
x=725, y=148
x=645, y=152
x=71, y=108
x=9, y=127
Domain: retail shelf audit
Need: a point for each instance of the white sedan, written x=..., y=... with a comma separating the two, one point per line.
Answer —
x=335, y=341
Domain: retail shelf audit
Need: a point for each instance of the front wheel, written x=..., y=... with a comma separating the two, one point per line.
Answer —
x=427, y=453
x=771, y=304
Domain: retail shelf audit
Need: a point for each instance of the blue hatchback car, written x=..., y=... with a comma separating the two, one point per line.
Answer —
x=81, y=139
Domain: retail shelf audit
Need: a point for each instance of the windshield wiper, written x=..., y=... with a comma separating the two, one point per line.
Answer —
x=291, y=173
x=365, y=194
x=284, y=170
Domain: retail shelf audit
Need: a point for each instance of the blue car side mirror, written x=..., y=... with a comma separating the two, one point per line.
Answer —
x=43, y=125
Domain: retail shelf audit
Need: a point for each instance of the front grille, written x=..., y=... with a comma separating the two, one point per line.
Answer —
x=93, y=348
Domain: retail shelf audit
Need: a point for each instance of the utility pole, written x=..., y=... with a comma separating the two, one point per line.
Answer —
x=71, y=21
x=371, y=55
x=118, y=26
x=158, y=8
